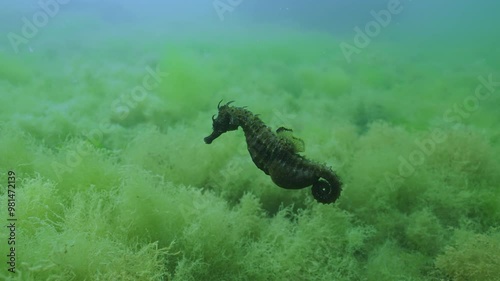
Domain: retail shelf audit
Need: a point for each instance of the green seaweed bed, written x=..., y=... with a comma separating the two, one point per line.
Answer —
x=114, y=182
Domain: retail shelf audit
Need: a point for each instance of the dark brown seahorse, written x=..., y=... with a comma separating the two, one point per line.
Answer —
x=276, y=154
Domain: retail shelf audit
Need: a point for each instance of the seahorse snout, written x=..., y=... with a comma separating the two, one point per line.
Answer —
x=212, y=137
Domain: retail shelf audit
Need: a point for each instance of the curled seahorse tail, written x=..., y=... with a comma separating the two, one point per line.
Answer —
x=328, y=187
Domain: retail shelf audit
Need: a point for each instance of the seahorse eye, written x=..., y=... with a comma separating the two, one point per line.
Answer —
x=221, y=121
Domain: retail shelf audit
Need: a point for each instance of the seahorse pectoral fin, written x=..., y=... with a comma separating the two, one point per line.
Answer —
x=287, y=134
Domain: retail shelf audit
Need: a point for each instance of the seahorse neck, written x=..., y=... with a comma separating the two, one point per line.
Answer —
x=248, y=121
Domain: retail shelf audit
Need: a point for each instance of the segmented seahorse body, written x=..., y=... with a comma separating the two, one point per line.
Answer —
x=276, y=154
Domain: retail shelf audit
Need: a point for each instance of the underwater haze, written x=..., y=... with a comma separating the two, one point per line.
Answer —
x=105, y=174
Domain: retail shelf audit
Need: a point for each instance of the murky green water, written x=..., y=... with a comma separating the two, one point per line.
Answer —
x=105, y=107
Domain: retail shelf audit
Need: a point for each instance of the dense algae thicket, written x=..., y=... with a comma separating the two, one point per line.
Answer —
x=117, y=184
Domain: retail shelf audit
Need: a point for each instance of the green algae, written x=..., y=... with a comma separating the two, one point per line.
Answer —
x=103, y=195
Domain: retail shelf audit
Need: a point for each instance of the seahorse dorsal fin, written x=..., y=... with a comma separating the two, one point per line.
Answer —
x=287, y=134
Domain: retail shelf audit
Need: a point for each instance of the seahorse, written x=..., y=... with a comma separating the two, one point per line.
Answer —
x=276, y=153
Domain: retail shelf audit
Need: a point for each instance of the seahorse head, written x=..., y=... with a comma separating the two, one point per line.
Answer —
x=224, y=122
